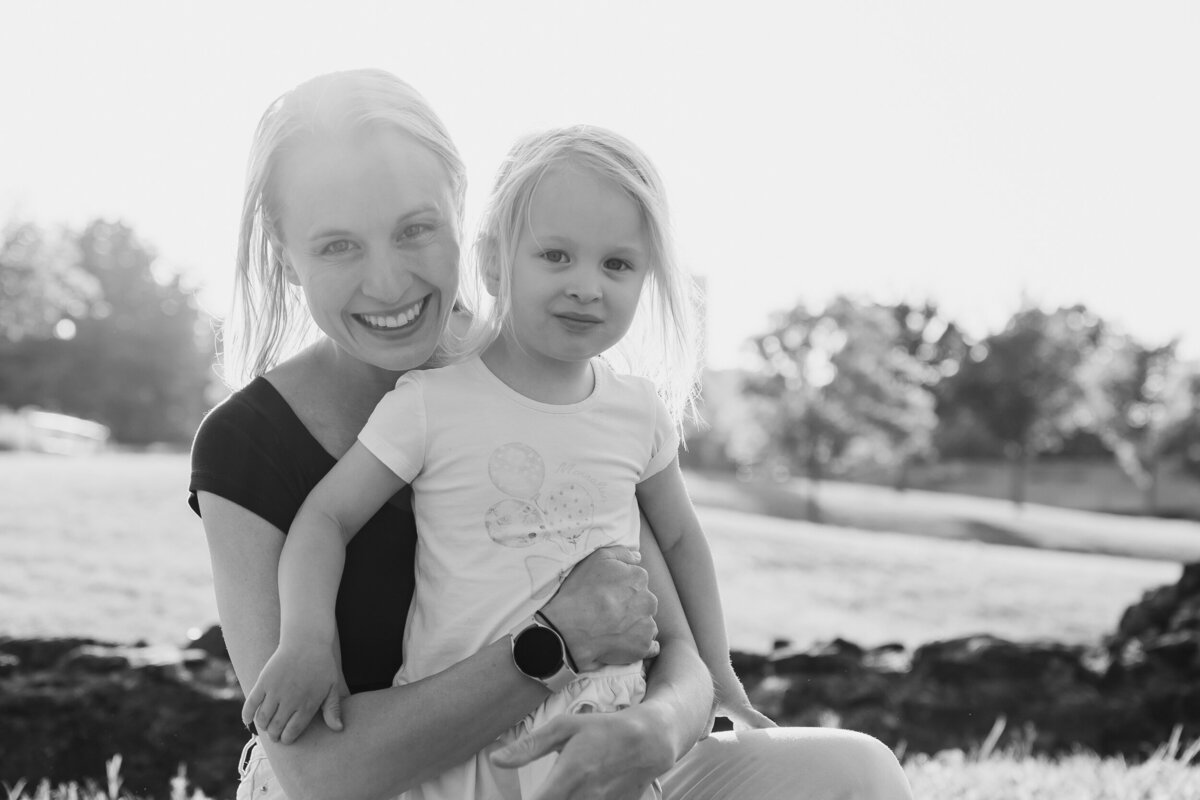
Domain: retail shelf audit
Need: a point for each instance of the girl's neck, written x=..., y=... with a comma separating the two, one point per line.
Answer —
x=544, y=380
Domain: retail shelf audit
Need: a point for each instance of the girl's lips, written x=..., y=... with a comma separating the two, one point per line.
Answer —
x=578, y=323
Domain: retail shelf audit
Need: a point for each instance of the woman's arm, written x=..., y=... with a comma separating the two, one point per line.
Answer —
x=617, y=755
x=400, y=736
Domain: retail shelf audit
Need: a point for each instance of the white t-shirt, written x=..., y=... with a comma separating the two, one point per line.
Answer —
x=509, y=493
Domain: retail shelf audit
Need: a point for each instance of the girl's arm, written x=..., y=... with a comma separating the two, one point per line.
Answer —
x=618, y=755
x=303, y=675
x=398, y=737
x=664, y=500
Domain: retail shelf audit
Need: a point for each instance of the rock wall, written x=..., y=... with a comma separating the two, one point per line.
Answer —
x=67, y=705
x=1121, y=696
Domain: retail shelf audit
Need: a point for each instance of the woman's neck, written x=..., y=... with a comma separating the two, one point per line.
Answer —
x=332, y=393
x=357, y=379
x=542, y=379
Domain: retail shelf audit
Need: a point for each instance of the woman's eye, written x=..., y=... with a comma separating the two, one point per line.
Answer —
x=555, y=256
x=336, y=248
x=617, y=265
x=414, y=230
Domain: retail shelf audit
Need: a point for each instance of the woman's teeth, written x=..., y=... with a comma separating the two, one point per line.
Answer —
x=393, y=321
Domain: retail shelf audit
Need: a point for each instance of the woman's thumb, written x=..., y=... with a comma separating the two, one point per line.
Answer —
x=331, y=709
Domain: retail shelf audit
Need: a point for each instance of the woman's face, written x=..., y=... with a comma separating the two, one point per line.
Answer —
x=370, y=232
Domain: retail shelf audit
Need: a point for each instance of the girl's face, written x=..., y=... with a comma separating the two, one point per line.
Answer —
x=370, y=232
x=579, y=267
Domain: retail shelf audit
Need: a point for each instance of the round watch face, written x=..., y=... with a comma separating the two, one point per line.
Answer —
x=538, y=652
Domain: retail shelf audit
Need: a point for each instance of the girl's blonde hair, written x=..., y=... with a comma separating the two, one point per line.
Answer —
x=662, y=344
x=269, y=320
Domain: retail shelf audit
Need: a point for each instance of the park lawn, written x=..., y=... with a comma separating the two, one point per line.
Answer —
x=949, y=775
x=105, y=546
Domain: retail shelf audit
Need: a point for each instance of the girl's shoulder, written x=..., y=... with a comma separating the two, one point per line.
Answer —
x=623, y=383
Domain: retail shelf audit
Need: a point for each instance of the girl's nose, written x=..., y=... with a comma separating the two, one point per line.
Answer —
x=584, y=286
x=386, y=276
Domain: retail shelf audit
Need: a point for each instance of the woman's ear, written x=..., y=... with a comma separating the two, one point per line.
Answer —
x=279, y=253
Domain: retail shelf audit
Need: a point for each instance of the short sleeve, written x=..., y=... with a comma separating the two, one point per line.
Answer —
x=665, y=447
x=396, y=431
x=239, y=456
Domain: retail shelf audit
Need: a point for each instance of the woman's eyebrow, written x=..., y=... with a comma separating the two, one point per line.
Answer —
x=424, y=208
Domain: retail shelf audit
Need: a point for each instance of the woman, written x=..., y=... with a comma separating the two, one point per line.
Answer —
x=368, y=252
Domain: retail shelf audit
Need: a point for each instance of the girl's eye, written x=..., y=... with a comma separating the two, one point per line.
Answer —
x=617, y=265
x=556, y=256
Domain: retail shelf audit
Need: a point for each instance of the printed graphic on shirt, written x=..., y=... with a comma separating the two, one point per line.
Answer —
x=563, y=515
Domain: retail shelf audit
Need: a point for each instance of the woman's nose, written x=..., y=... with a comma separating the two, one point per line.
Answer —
x=387, y=276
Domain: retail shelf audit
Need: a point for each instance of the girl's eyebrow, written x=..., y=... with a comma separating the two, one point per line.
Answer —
x=629, y=251
x=625, y=250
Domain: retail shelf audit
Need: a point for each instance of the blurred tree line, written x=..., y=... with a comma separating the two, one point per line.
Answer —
x=89, y=327
x=859, y=387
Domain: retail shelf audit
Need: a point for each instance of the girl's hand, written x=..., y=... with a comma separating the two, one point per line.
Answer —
x=731, y=702
x=745, y=716
x=604, y=610
x=605, y=755
x=294, y=684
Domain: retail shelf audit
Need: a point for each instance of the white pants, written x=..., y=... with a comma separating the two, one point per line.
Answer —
x=793, y=763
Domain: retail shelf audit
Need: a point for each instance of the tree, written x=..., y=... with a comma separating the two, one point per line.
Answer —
x=931, y=338
x=1022, y=384
x=1142, y=401
x=838, y=390
x=135, y=358
x=41, y=282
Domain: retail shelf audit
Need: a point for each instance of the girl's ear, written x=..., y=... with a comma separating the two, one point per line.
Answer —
x=491, y=273
x=491, y=280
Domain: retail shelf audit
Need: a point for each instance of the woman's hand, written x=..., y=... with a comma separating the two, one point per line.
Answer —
x=605, y=610
x=602, y=755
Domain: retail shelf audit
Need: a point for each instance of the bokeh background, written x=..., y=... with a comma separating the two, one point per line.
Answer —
x=949, y=253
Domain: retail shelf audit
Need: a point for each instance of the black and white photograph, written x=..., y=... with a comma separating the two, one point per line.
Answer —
x=788, y=400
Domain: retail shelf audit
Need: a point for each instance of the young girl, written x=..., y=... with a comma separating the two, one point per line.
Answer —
x=527, y=457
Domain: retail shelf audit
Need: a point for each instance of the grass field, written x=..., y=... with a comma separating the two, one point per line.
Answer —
x=105, y=546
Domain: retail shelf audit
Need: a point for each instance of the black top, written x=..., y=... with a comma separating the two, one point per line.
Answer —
x=253, y=450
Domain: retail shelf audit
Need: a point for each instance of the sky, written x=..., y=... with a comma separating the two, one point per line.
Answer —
x=982, y=155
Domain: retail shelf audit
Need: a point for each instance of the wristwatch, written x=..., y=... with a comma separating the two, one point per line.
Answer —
x=539, y=652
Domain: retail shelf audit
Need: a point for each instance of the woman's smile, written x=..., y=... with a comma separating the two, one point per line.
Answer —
x=392, y=320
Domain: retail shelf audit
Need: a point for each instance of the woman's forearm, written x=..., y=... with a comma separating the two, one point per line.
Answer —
x=679, y=689
x=392, y=738
x=390, y=743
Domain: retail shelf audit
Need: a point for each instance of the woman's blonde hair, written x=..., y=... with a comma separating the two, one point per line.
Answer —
x=269, y=320
x=662, y=343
